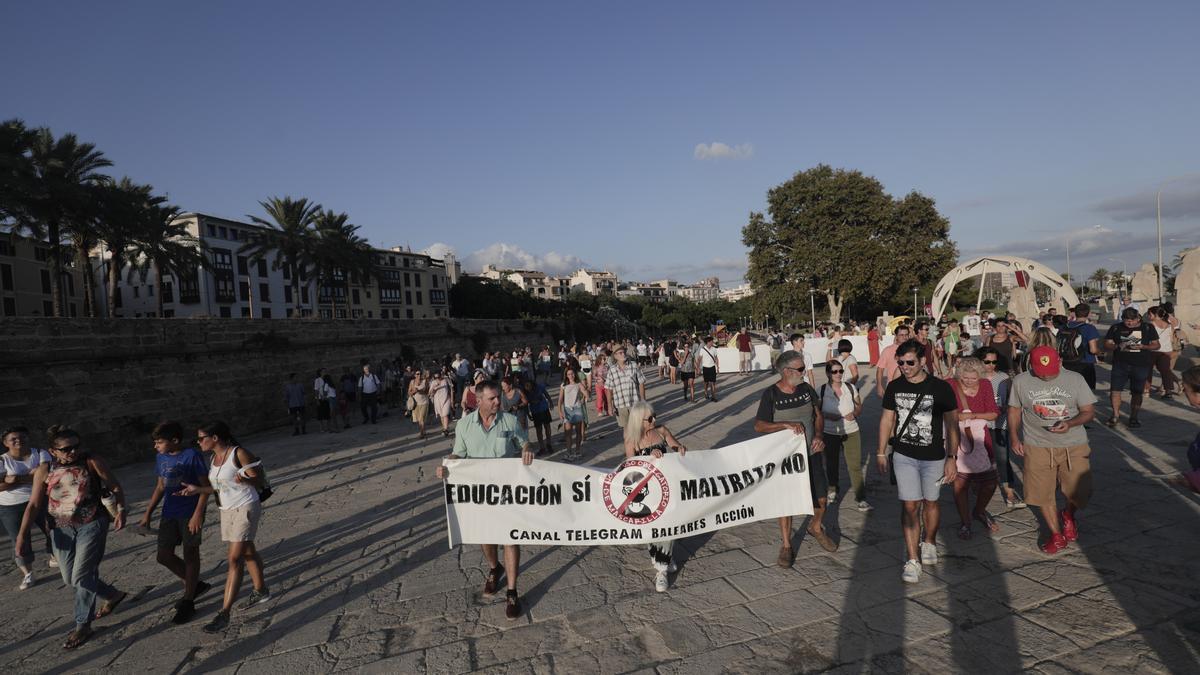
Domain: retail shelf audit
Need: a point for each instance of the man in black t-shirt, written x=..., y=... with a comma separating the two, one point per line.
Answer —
x=920, y=419
x=791, y=403
x=1132, y=342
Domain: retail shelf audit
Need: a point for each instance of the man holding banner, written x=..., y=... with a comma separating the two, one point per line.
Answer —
x=791, y=403
x=488, y=433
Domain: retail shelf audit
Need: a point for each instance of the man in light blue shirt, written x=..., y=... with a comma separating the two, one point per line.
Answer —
x=489, y=433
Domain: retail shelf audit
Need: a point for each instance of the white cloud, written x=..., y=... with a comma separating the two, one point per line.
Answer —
x=512, y=256
x=723, y=151
x=438, y=250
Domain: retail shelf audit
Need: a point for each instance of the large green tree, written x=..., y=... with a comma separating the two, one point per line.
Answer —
x=161, y=244
x=838, y=232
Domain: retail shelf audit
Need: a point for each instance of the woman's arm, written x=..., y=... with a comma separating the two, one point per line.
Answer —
x=672, y=441
x=110, y=481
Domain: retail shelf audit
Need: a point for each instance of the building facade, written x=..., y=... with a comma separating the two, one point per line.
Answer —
x=737, y=293
x=594, y=282
x=25, y=279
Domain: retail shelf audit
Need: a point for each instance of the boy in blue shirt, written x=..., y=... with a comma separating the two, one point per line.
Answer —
x=182, y=517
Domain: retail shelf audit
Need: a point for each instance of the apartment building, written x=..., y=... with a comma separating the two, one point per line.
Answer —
x=537, y=284
x=594, y=281
x=737, y=293
x=25, y=279
x=702, y=291
x=414, y=285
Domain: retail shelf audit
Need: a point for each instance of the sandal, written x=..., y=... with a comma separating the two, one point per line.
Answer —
x=964, y=532
x=988, y=521
x=110, y=606
x=77, y=637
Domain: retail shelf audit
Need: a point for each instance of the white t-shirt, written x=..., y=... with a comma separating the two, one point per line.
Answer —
x=641, y=349
x=707, y=357
x=16, y=467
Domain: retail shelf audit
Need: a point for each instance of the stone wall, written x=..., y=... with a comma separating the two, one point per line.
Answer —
x=113, y=380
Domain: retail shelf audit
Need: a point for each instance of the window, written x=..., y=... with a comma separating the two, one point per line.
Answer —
x=370, y=314
x=409, y=313
x=391, y=261
x=10, y=307
x=302, y=273
x=245, y=312
x=264, y=292
x=234, y=234
x=150, y=315
x=437, y=297
x=149, y=290
x=225, y=313
x=304, y=294
x=407, y=282
x=406, y=265
x=395, y=314
x=168, y=294
x=355, y=297
x=70, y=285
x=168, y=314
x=6, y=277
x=417, y=278
x=262, y=268
x=244, y=291
x=243, y=265
x=287, y=294
x=224, y=289
x=408, y=297
x=356, y=314
x=118, y=298
x=46, y=281
x=419, y=294
x=135, y=291
x=222, y=259
x=5, y=248
x=266, y=312
x=435, y=279
x=224, y=232
x=287, y=273
x=41, y=254
x=212, y=230
x=47, y=308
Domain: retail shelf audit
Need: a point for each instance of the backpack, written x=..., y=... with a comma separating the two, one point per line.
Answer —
x=264, y=492
x=1069, y=343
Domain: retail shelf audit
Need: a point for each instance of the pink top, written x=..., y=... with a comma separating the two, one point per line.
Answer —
x=984, y=400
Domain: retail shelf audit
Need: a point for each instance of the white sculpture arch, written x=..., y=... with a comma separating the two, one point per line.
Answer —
x=1001, y=264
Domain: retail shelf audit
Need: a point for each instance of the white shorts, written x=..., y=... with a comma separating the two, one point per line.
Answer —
x=663, y=361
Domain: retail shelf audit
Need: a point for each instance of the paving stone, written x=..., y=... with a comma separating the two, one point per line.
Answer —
x=791, y=610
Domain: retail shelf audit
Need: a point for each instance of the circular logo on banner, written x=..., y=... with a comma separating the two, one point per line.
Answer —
x=637, y=492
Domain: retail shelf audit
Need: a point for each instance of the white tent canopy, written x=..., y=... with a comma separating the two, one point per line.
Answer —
x=1000, y=264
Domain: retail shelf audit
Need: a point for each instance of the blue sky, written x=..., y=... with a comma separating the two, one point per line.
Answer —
x=565, y=132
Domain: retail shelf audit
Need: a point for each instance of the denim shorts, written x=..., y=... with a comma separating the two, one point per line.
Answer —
x=917, y=479
x=1124, y=374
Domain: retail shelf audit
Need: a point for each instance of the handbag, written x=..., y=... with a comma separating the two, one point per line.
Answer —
x=264, y=492
x=900, y=432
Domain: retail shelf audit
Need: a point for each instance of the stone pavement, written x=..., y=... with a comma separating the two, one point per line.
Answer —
x=362, y=579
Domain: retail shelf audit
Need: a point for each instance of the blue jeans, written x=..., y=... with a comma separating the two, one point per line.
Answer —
x=79, y=550
x=10, y=520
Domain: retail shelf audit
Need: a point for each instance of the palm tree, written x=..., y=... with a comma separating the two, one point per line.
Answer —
x=289, y=235
x=64, y=172
x=340, y=251
x=163, y=244
x=16, y=173
x=121, y=207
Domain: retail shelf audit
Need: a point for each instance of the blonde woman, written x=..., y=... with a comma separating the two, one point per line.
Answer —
x=418, y=390
x=976, y=409
x=645, y=438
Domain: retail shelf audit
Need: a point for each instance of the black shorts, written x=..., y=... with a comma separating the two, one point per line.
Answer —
x=710, y=374
x=323, y=410
x=1087, y=370
x=687, y=375
x=1124, y=374
x=674, y=362
x=541, y=417
x=174, y=531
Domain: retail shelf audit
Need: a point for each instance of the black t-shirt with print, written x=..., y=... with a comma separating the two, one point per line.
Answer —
x=1124, y=336
x=924, y=436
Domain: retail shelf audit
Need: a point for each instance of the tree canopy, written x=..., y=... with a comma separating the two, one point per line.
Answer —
x=839, y=232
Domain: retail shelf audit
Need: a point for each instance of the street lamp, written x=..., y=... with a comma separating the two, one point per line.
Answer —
x=915, y=313
x=1158, y=222
x=812, y=304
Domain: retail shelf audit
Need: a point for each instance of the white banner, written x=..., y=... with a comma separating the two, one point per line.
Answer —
x=502, y=501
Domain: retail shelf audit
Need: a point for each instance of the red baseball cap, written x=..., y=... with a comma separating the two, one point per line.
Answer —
x=1044, y=361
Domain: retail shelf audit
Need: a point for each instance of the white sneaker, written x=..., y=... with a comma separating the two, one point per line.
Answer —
x=53, y=562
x=912, y=572
x=864, y=506
x=831, y=495
x=928, y=553
x=660, y=582
x=672, y=568
x=27, y=582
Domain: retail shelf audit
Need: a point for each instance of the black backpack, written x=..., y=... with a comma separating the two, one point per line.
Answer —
x=1070, y=344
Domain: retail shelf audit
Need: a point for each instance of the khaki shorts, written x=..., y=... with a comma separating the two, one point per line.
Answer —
x=1046, y=468
x=240, y=524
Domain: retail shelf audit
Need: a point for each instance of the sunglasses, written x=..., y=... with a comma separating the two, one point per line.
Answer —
x=69, y=448
x=201, y=438
x=836, y=372
x=990, y=361
x=903, y=362
x=651, y=418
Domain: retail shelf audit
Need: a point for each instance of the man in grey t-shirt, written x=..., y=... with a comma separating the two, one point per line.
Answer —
x=1051, y=405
